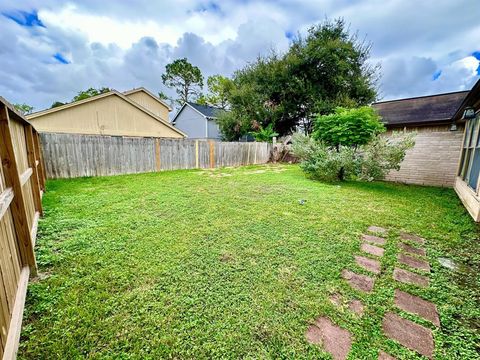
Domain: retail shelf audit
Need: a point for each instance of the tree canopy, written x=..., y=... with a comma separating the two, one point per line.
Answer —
x=321, y=71
x=23, y=108
x=185, y=78
x=219, y=90
x=85, y=94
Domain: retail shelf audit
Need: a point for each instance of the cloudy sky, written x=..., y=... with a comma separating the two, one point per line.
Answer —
x=50, y=50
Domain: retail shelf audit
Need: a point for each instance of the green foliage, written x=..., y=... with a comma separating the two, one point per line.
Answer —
x=264, y=134
x=85, y=94
x=326, y=69
x=162, y=96
x=382, y=154
x=232, y=126
x=56, y=104
x=321, y=162
x=225, y=263
x=371, y=161
x=185, y=78
x=23, y=108
x=219, y=90
x=348, y=127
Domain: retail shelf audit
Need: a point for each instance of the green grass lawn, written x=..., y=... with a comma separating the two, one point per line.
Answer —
x=228, y=264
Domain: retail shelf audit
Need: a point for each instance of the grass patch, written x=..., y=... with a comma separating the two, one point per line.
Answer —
x=228, y=264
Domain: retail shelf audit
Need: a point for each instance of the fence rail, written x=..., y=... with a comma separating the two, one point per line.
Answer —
x=22, y=183
x=73, y=155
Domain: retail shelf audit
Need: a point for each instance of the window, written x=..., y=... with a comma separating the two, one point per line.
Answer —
x=469, y=169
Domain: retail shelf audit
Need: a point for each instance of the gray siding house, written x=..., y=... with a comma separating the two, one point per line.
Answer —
x=198, y=121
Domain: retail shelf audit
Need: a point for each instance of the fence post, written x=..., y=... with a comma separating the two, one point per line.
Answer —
x=212, y=154
x=255, y=157
x=196, y=154
x=12, y=179
x=33, y=163
x=157, y=154
x=39, y=157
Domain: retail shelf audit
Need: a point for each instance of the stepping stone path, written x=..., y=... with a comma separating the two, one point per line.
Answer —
x=416, y=305
x=368, y=264
x=372, y=249
x=413, y=262
x=414, y=238
x=338, y=341
x=384, y=356
x=408, y=277
x=335, y=340
x=409, y=334
x=412, y=250
x=359, y=282
x=355, y=306
x=374, y=239
x=377, y=229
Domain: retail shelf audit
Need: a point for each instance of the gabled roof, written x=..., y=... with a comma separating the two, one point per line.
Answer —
x=142, y=89
x=423, y=110
x=206, y=110
x=101, y=96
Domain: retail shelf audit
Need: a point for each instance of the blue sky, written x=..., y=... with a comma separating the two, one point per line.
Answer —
x=52, y=49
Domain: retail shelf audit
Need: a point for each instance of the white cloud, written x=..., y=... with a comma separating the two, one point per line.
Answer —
x=122, y=44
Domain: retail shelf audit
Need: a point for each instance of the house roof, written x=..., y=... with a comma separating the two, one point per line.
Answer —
x=142, y=89
x=101, y=96
x=423, y=110
x=206, y=110
x=472, y=99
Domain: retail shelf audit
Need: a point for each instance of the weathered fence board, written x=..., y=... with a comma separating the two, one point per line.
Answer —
x=21, y=188
x=73, y=155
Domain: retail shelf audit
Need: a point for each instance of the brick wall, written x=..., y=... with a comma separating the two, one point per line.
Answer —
x=433, y=160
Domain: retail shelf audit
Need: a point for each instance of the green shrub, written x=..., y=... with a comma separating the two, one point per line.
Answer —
x=348, y=127
x=371, y=161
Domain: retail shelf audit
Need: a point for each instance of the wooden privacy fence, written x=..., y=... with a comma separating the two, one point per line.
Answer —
x=22, y=183
x=73, y=155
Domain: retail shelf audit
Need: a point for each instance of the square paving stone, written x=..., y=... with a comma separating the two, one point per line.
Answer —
x=368, y=264
x=416, y=305
x=384, y=356
x=359, y=282
x=374, y=239
x=409, y=277
x=409, y=334
x=377, y=229
x=413, y=262
x=411, y=237
x=372, y=249
x=335, y=340
x=412, y=250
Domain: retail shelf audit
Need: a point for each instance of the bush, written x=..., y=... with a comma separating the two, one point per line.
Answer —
x=348, y=127
x=383, y=154
x=371, y=161
x=322, y=162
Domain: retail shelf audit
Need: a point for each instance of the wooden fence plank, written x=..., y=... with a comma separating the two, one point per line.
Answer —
x=11, y=346
x=12, y=180
x=6, y=198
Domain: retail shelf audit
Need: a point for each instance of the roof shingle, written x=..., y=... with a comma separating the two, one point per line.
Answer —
x=423, y=110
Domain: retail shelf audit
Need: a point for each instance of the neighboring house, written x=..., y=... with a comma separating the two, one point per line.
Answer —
x=198, y=121
x=134, y=113
x=434, y=158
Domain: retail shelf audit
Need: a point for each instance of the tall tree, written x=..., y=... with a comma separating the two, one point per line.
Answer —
x=321, y=71
x=85, y=94
x=219, y=90
x=185, y=78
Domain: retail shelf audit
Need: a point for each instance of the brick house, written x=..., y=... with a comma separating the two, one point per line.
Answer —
x=447, y=144
x=434, y=159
